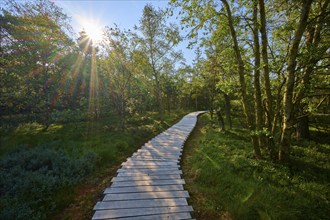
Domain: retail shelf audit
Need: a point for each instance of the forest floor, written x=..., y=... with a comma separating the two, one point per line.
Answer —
x=65, y=168
x=60, y=172
x=226, y=182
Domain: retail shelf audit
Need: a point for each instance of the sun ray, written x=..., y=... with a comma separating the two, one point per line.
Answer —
x=93, y=29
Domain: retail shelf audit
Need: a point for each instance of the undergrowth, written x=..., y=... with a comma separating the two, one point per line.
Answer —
x=226, y=182
x=40, y=168
x=29, y=179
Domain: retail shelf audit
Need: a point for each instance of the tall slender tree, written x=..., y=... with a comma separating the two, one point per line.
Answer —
x=288, y=105
x=157, y=42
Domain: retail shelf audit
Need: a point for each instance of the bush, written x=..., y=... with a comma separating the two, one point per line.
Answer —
x=68, y=116
x=29, y=178
x=121, y=145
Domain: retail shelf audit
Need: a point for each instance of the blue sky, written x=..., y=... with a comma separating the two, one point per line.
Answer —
x=124, y=13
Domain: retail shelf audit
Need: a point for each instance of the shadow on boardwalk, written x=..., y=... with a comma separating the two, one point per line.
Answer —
x=149, y=184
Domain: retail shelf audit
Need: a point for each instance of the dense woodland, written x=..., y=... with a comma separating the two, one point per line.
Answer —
x=260, y=65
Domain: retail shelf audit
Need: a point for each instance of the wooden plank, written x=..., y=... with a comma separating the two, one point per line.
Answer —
x=164, y=152
x=119, y=213
x=164, y=149
x=172, y=216
x=172, y=138
x=145, y=203
x=149, y=173
x=146, y=195
x=168, y=144
x=148, y=158
x=173, y=163
x=158, y=152
x=161, y=150
x=148, y=183
x=133, y=170
x=177, y=145
x=139, y=159
x=149, y=155
x=144, y=177
x=153, y=152
x=136, y=189
x=160, y=143
x=149, y=163
x=145, y=156
x=136, y=158
x=149, y=167
x=151, y=160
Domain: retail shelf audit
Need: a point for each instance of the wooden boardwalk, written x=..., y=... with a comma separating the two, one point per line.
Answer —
x=149, y=184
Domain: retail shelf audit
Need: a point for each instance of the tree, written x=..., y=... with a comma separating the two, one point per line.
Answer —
x=288, y=117
x=314, y=52
x=34, y=46
x=210, y=15
x=116, y=65
x=157, y=42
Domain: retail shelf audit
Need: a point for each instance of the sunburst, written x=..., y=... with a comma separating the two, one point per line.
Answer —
x=93, y=29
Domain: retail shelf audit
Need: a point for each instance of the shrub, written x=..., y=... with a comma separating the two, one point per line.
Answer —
x=121, y=145
x=29, y=178
x=68, y=116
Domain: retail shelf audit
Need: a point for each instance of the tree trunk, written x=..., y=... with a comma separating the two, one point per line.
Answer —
x=265, y=64
x=241, y=72
x=284, y=148
x=211, y=113
x=227, y=110
x=220, y=120
x=256, y=79
x=303, y=128
x=168, y=101
x=159, y=97
x=265, y=67
x=122, y=111
x=313, y=38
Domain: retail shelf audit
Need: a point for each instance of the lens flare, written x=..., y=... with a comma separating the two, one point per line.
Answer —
x=93, y=29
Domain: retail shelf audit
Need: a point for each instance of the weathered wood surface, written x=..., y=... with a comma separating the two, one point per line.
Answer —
x=144, y=177
x=148, y=185
x=144, y=188
x=119, y=213
x=147, y=203
x=172, y=216
x=150, y=173
x=146, y=195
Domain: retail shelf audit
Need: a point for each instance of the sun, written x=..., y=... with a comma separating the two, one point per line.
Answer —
x=93, y=29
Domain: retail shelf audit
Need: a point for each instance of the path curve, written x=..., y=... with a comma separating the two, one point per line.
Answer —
x=149, y=184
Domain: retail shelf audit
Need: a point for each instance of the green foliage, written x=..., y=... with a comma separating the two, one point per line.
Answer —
x=34, y=53
x=39, y=168
x=29, y=178
x=68, y=116
x=255, y=189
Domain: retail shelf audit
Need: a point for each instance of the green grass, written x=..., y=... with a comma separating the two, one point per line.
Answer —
x=226, y=182
x=102, y=139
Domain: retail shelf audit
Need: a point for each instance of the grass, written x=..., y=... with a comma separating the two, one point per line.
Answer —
x=226, y=182
x=101, y=138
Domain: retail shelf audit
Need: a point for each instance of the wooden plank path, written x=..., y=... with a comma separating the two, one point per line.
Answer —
x=149, y=184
